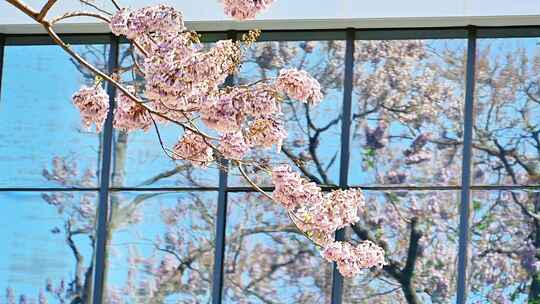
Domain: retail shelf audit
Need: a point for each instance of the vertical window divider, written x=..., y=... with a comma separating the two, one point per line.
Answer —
x=221, y=216
x=337, y=279
x=103, y=202
x=464, y=207
x=2, y=44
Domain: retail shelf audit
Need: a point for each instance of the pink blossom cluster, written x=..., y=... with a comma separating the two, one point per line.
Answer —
x=316, y=211
x=222, y=115
x=299, y=85
x=266, y=132
x=233, y=145
x=231, y=108
x=130, y=116
x=257, y=100
x=193, y=147
x=320, y=214
x=351, y=260
x=333, y=211
x=183, y=82
x=246, y=117
x=292, y=191
x=245, y=9
x=93, y=103
x=134, y=23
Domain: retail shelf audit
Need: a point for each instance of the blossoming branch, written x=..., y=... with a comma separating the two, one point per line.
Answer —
x=184, y=84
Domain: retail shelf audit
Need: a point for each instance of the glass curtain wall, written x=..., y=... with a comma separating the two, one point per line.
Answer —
x=439, y=127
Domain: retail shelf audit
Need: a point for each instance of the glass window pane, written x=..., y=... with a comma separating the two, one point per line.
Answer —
x=407, y=112
x=42, y=140
x=267, y=259
x=162, y=247
x=504, y=267
x=314, y=141
x=506, y=135
x=47, y=246
x=393, y=219
x=139, y=159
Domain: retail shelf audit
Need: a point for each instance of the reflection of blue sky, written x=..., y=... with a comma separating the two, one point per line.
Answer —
x=37, y=119
x=139, y=239
x=29, y=252
x=251, y=211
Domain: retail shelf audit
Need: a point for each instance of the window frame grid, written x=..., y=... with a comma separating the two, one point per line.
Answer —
x=472, y=35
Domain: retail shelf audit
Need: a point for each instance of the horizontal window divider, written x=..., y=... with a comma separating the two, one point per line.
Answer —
x=165, y=189
x=44, y=39
x=48, y=189
x=404, y=188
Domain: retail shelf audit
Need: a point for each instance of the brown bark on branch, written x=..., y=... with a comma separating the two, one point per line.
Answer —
x=45, y=10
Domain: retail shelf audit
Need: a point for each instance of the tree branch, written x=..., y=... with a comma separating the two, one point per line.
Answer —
x=45, y=10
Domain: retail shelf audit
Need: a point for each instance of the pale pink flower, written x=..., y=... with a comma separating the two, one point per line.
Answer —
x=160, y=18
x=93, y=103
x=119, y=22
x=222, y=115
x=192, y=147
x=333, y=211
x=180, y=82
x=165, y=47
x=341, y=208
x=298, y=84
x=266, y=131
x=129, y=115
x=291, y=190
x=233, y=145
x=314, y=212
x=42, y=299
x=257, y=100
x=351, y=260
x=245, y=9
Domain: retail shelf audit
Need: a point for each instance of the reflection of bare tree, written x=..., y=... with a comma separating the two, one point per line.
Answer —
x=408, y=127
x=505, y=152
x=506, y=138
x=268, y=259
x=312, y=144
x=388, y=77
x=407, y=130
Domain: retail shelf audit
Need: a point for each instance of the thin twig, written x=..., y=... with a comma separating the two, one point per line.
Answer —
x=80, y=14
x=252, y=183
x=97, y=8
x=115, y=3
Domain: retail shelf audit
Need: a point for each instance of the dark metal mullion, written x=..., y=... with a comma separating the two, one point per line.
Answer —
x=2, y=44
x=47, y=189
x=105, y=173
x=221, y=222
x=464, y=207
x=337, y=279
